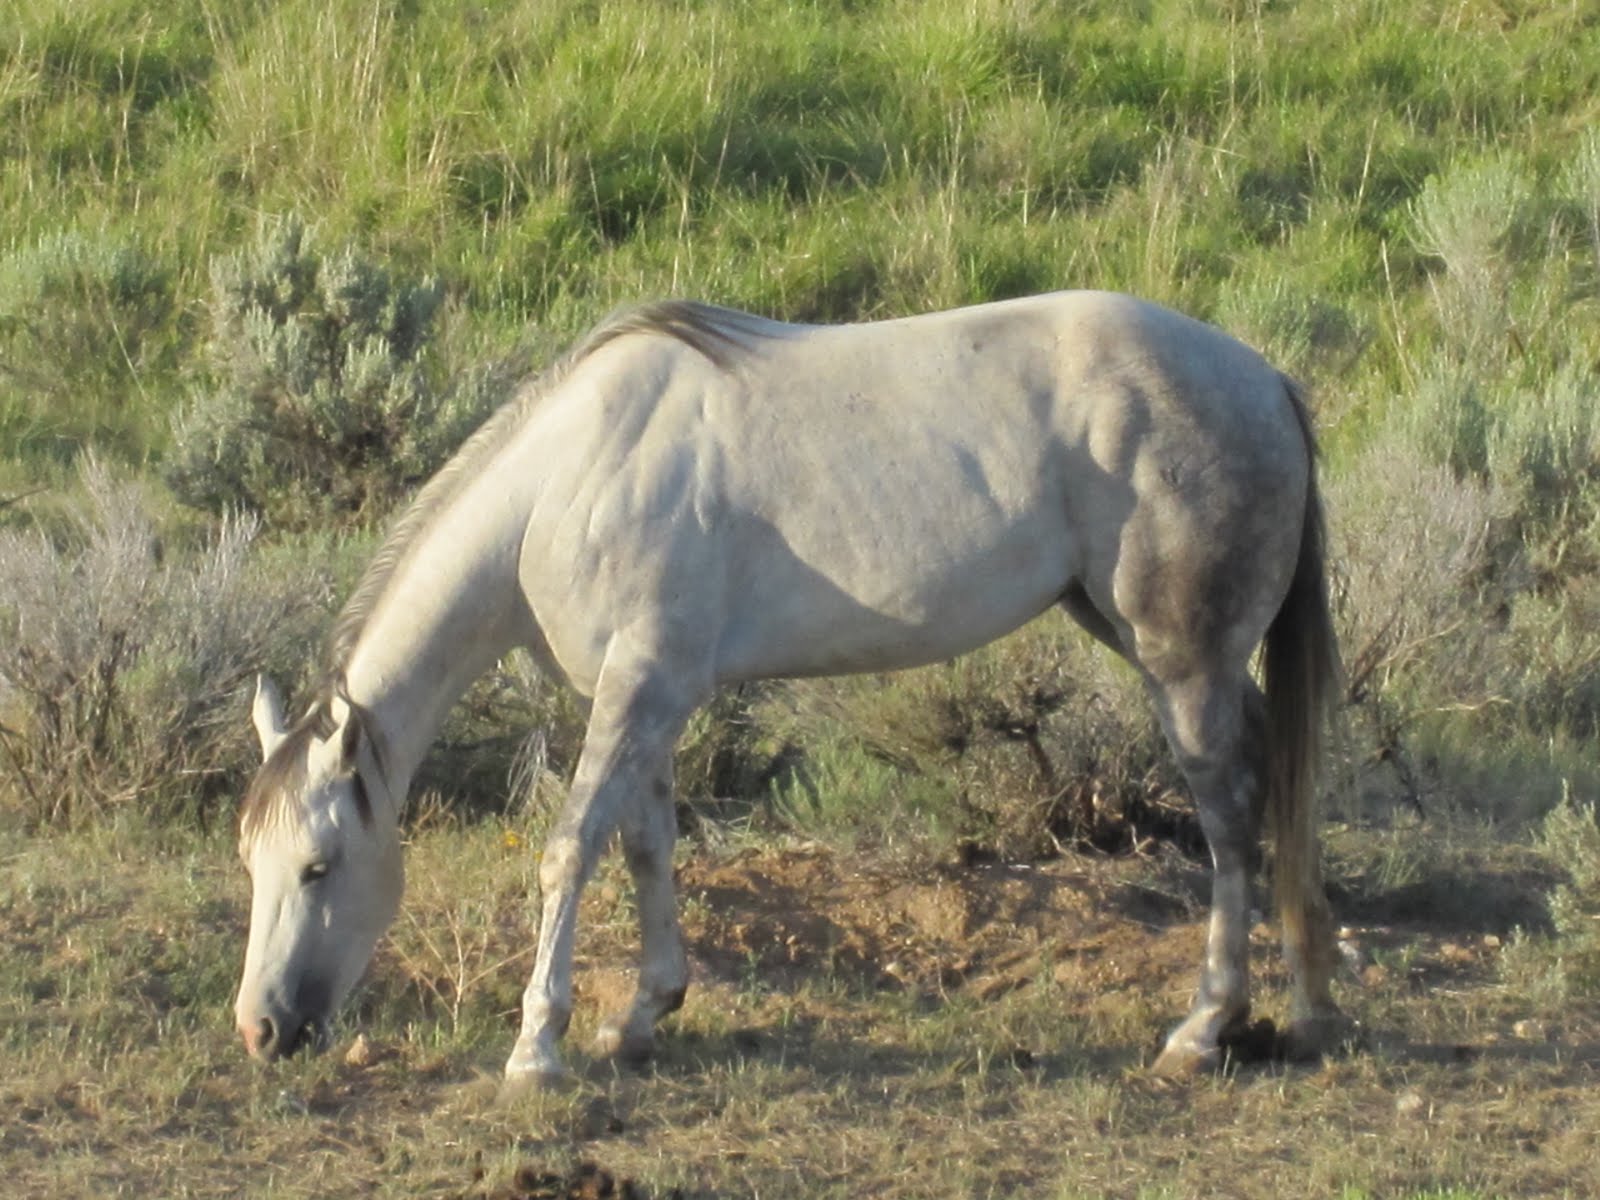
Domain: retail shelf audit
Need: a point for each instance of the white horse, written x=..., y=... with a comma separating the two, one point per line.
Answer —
x=696, y=497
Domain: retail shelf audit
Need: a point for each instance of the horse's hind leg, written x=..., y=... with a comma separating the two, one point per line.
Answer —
x=1204, y=714
x=635, y=719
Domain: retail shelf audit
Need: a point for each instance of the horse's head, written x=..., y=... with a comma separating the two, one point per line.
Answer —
x=318, y=836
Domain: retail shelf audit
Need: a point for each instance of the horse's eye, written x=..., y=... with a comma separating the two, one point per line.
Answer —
x=313, y=872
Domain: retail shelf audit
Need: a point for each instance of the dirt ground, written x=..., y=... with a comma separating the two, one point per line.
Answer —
x=979, y=929
x=1116, y=943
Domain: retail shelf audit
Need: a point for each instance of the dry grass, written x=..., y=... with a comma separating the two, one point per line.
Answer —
x=854, y=1031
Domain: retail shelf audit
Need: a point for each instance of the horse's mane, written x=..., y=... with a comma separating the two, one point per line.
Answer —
x=711, y=331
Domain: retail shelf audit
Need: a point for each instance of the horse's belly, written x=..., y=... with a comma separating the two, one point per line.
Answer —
x=899, y=601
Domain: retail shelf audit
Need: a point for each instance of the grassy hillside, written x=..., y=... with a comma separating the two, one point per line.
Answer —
x=206, y=205
x=1257, y=163
x=1400, y=203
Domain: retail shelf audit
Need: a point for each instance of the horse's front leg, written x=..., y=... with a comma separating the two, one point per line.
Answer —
x=636, y=717
x=649, y=829
x=569, y=858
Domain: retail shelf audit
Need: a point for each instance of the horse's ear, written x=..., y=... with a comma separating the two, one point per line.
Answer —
x=266, y=713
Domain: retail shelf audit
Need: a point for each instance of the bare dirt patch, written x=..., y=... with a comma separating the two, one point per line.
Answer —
x=1008, y=992
x=1112, y=944
x=984, y=929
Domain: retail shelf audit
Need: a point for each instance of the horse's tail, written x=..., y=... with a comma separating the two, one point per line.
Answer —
x=1301, y=670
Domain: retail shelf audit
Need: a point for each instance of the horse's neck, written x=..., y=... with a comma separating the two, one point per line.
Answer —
x=450, y=612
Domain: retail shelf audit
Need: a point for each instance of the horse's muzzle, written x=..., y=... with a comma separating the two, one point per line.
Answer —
x=271, y=1038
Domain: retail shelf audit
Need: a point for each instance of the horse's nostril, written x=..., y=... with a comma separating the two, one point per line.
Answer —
x=261, y=1039
x=274, y=1037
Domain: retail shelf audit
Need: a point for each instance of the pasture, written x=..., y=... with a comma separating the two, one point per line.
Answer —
x=855, y=1028
x=263, y=266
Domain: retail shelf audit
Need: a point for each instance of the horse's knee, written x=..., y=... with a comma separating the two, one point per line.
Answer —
x=566, y=863
x=646, y=857
x=647, y=845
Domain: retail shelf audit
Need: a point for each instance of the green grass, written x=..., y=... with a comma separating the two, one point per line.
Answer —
x=816, y=160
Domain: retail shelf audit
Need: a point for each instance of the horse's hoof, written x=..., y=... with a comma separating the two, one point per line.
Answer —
x=1181, y=1060
x=1309, y=1039
x=613, y=1040
x=1204, y=1044
x=520, y=1083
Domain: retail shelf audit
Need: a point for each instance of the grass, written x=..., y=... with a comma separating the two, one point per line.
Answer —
x=824, y=1077
x=816, y=161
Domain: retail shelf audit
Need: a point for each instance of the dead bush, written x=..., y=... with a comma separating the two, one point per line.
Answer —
x=1038, y=741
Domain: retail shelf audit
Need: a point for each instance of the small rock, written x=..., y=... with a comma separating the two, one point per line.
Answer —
x=1531, y=1030
x=599, y=1120
x=1410, y=1103
x=360, y=1053
x=530, y=1183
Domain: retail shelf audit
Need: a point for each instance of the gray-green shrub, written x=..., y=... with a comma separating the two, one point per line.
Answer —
x=126, y=654
x=327, y=405
x=1548, y=971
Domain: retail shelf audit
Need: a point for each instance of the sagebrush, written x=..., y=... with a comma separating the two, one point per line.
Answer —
x=126, y=655
x=327, y=409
